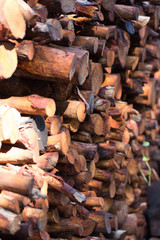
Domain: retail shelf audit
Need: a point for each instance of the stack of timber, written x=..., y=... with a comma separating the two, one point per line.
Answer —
x=79, y=97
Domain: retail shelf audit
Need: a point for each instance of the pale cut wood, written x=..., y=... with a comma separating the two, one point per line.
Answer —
x=8, y=58
x=11, y=20
x=9, y=129
x=29, y=15
x=32, y=104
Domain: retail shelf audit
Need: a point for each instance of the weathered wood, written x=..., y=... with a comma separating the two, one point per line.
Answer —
x=55, y=59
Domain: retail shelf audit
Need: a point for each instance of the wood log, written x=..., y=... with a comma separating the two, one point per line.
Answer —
x=25, y=50
x=16, y=183
x=95, y=78
x=55, y=59
x=89, y=10
x=90, y=43
x=126, y=12
x=53, y=124
x=113, y=80
x=72, y=109
x=29, y=15
x=51, y=30
x=8, y=56
x=22, y=200
x=41, y=10
x=82, y=63
x=93, y=124
x=36, y=216
x=89, y=150
x=62, y=186
x=33, y=104
x=65, y=226
x=97, y=31
x=60, y=6
x=9, y=16
x=10, y=222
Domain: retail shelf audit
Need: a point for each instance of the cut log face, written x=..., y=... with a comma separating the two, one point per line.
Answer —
x=8, y=58
x=12, y=18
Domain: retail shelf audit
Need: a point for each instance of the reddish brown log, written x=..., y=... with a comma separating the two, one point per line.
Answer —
x=55, y=59
x=33, y=104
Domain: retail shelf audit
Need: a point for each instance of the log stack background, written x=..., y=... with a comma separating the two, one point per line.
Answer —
x=80, y=94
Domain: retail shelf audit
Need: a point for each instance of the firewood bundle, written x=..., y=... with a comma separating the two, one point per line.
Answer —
x=79, y=97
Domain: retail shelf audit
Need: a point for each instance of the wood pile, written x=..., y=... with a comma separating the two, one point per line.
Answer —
x=80, y=94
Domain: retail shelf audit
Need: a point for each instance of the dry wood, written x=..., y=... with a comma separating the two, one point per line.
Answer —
x=50, y=66
x=90, y=43
x=126, y=12
x=8, y=58
x=95, y=78
x=33, y=104
x=12, y=22
x=72, y=109
x=82, y=63
x=10, y=222
x=25, y=50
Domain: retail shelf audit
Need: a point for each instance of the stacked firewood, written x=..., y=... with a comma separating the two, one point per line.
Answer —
x=79, y=104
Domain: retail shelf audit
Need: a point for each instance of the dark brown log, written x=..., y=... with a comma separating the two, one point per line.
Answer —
x=89, y=150
x=126, y=12
x=59, y=7
x=41, y=10
x=93, y=124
